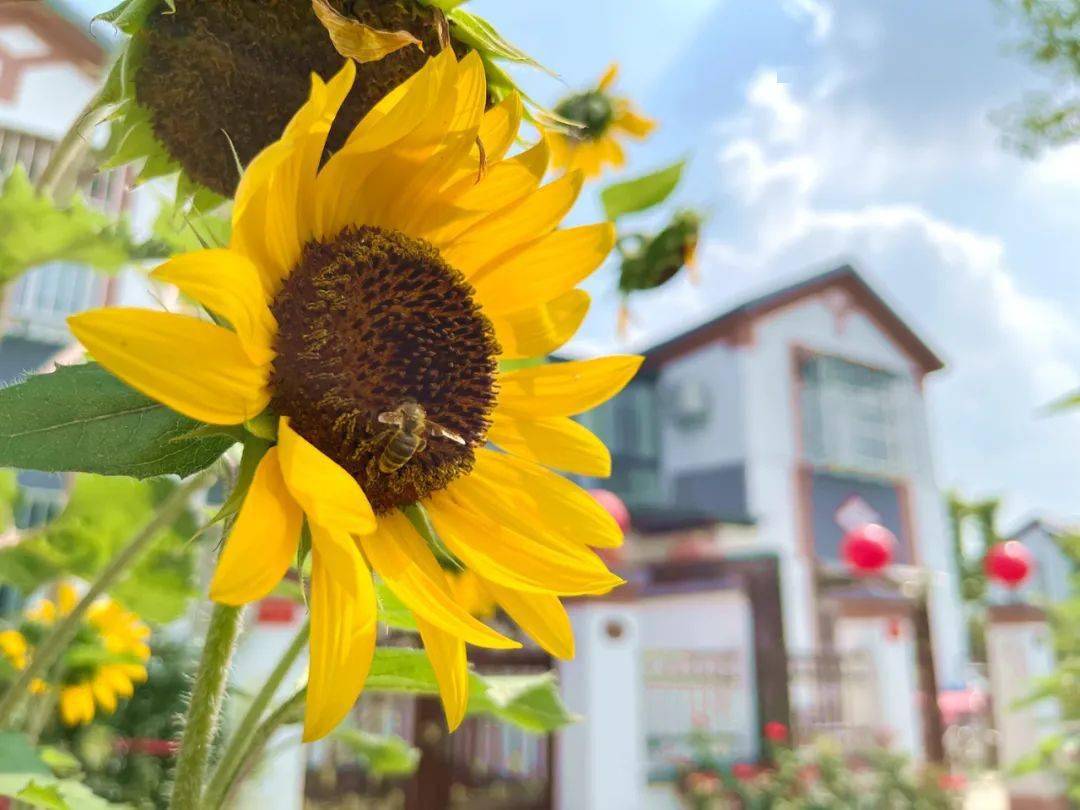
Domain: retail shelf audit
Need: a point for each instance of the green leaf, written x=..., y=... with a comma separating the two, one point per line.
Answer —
x=392, y=611
x=641, y=193
x=97, y=521
x=530, y=702
x=380, y=755
x=17, y=755
x=9, y=496
x=83, y=419
x=445, y=5
x=478, y=33
x=36, y=231
x=24, y=776
x=1066, y=403
x=130, y=15
x=46, y=796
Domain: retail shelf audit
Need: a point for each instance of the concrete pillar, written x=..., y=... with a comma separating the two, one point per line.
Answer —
x=600, y=761
x=1020, y=650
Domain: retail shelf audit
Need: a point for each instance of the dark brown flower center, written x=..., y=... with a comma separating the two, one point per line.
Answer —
x=221, y=72
x=373, y=322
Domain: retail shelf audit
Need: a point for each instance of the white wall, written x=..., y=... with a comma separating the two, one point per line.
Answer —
x=720, y=440
x=772, y=444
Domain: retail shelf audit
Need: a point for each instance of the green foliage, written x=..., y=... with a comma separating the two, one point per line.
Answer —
x=379, y=755
x=530, y=702
x=1051, y=40
x=83, y=419
x=98, y=520
x=641, y=193
x=659, y=258
x=36, y=231
x=26, y=777
x=392, y=611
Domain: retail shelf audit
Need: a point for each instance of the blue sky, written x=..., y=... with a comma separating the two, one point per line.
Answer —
x=828, y=130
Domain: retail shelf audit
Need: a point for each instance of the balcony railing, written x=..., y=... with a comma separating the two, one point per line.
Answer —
x=38, y=303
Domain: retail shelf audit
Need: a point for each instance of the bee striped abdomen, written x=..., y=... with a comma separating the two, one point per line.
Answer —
x=399, y=449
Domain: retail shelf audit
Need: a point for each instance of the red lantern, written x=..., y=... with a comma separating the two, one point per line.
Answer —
x=614, y=506
x=775, y=731
x=868, y=548
x=1009, y=563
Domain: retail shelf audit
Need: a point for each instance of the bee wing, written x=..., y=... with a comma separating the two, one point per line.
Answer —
x=391, y=418
x=435, y=429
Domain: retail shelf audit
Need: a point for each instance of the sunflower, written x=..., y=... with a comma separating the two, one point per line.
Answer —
x=599, y=116
x=202, y=86
x=106, y=659
x=369, y=304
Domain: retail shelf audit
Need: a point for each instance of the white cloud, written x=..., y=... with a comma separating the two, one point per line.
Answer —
x=819, y=13
x=797, y=184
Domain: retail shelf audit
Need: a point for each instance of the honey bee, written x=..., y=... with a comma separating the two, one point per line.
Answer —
x=407, y=437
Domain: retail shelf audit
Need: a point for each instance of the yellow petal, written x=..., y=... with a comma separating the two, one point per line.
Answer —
x=328, y=494
x=611, y=152
x=545, y=269
x=557, y=442
x=514, y=226
x=609, y=77
x=562, y=148
x=274, y=208
x=342, y=556
x=535, y=502
x=409, y=569
x=539, y=330
x=227, y=284
x=342, y=645
x=499, y=554
x=66, y=598
x=542, y=616
x=504, y=184
x=363, y=183
x=565, y=389
x=500, y=127
x=357, y=41
x=262, y=544
x=447, y=655
x=194, y=367
x=106, y=698
x=633, y=123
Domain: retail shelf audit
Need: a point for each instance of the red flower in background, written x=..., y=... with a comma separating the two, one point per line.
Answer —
x=744, y=771
x=952, y=781
x=776, y=732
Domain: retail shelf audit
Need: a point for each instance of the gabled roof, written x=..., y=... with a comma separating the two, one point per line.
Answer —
x=62, y=26
x=734, y=325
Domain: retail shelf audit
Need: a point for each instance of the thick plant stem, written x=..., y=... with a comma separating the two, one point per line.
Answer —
x=71, y=148
x=243, y=740
x=53, y=645
x=201, y=721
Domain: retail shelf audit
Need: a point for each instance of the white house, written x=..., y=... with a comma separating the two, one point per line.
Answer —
x=764, y=435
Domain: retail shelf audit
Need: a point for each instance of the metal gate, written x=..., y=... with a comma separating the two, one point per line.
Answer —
x=484, y=765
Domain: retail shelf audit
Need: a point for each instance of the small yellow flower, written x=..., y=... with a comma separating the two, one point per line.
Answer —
x=14, y=647
x=117, y=632
x=370, y=302
x=77, y=704
x=601, y=116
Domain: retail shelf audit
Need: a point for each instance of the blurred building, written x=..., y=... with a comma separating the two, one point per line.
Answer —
x=50, y=67
x=1054, y=568
x=745, y=450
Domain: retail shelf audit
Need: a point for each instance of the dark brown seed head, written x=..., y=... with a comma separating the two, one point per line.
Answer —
x=367, y=321
x=221, y=71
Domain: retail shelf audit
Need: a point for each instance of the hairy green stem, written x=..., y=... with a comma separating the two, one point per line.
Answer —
x=207, y=695
x=53, y=645
x=244, y=740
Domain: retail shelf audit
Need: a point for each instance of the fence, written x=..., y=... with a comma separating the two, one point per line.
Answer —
x=834, y=695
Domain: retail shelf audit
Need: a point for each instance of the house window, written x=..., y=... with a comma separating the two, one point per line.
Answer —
x=41, y=300
x=628, y=426
x=849, y=415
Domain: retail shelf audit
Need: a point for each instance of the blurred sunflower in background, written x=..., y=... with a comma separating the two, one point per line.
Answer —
x=202, y=86
x=102, y=664
x=597, y=118
x=369, y=304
